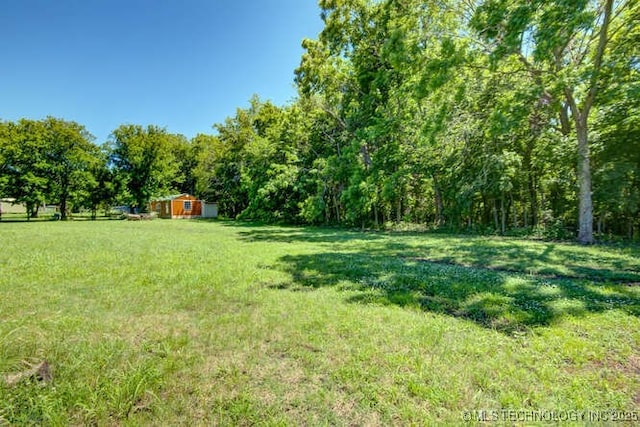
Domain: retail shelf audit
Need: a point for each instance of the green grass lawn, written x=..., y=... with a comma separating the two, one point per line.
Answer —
x=200, y=323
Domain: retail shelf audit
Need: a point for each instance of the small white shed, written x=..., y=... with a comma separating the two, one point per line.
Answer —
x=209, y=210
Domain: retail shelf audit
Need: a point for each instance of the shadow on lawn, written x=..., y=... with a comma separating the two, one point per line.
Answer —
x=501, y=296
x=494, y=299
x=543, y=259
x=311, y=235
x=550, y=260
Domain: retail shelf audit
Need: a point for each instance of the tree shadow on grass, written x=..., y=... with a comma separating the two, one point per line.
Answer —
x=307, y=235
x=503, y=284
x=499, y=300
x=544, y=259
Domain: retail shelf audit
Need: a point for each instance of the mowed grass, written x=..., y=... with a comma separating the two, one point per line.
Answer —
x=212, y=323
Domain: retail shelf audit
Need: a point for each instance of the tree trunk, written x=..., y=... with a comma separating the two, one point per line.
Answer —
x=533, y=196
x=439, y=204
x=580, y=117
x=63, y=207
x=486, y=211
x=32, y=210
x=585, y=214
x=565, y=125
x=375, y=216
x=503, y=216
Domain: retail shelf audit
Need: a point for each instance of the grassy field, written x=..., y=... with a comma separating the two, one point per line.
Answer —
x=201, y=323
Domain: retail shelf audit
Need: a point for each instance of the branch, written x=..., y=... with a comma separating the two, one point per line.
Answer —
x=573, y=106
x=499, y=72
x=597, y=62
x=591, y=36
x=620, y=8
x=335, y=117
x=535, y=73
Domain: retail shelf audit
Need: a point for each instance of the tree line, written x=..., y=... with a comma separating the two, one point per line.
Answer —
x=57, y=162
x=489, y=116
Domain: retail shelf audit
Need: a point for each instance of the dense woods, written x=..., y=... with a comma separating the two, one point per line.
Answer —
x=488, y=116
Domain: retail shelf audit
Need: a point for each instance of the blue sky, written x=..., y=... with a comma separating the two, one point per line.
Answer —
x=179, y=64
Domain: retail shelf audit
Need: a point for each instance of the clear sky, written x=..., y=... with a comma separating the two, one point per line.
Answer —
x=179, y=64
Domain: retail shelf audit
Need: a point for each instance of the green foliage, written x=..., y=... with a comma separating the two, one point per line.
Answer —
x=25, y=166
x=72, y=157
x=145, y=161
x=491, y=116
x=46, y=161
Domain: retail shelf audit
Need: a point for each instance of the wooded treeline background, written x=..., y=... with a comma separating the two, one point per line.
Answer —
x=489, y=116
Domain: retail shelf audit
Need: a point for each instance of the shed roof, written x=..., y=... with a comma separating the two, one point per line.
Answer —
x=167, y=198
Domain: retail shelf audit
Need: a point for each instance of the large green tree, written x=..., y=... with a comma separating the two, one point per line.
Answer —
x=46, y=160
x=102, y=188
x=617, y=132
x=145, y=162
x=563, y=44
x=71, y=158
x=25, y=163
x=455, y=113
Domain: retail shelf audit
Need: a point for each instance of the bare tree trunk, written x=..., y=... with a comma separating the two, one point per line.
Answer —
x=580, y=116
x=439, y=204
x=32, y=210
x=63, y=207
x=533, y=195
x=585, y=214
x=375, y=216
x=565, y=125
x=503, y=216
x=326, y=203
x=487, y=210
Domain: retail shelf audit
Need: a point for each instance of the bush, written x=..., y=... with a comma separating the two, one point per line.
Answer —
x=555, y=229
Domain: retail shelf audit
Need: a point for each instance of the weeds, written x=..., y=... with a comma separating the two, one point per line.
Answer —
x=195, y=322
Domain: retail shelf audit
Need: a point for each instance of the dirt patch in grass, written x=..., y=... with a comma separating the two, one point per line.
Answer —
x=630, y=367
x=633, y=367
x=40, y=372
